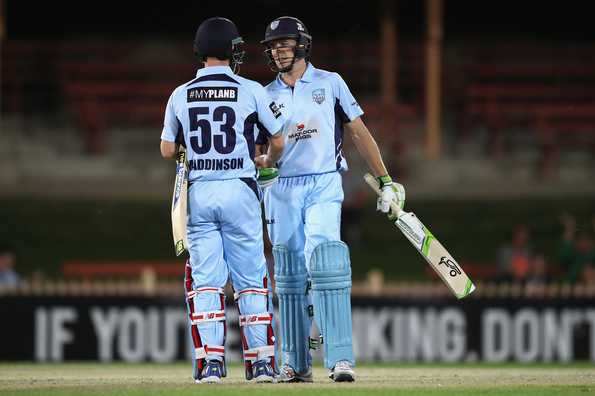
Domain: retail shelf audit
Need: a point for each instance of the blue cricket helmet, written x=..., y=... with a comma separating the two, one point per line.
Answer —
x=219, y=38
x=287, y=27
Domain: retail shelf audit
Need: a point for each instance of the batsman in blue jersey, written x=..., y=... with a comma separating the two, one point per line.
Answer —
x=215, y=117
x=303, y=209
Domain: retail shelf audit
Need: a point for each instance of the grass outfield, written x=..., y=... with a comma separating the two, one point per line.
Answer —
x=385, y=379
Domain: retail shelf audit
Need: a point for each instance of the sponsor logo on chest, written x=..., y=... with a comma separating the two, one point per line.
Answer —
x=302, y=132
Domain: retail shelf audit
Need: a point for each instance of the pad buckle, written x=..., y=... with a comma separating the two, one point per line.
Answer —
x=314, y=343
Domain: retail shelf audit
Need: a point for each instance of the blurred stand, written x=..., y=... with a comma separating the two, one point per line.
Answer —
x=8, y=276
x=510, y=114
x=577, y=250
x=515, y=259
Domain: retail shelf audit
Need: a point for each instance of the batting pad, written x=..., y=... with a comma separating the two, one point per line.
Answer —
x=209, y=316
x=254, y=318
x=330, y=269
x=291, y=283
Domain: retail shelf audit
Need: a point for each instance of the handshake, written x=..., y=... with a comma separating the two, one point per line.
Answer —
x=267, y=177
x=268, y=174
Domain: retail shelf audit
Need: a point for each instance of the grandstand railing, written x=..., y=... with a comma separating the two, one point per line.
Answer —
x=146, y=285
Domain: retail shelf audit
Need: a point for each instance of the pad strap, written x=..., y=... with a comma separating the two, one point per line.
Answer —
x=209, y=316
x=260, y=292
x=256, y=319
x=193, y=293
x=201, y=353
x=259, y=353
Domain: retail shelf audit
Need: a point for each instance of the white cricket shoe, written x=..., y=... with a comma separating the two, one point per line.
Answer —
x=342, y=372
x=288, y=374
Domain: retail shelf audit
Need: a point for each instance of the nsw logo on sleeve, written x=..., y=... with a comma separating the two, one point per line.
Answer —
x=212, y=94
x=275, y=109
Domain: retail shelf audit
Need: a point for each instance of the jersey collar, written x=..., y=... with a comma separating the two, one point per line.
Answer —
x=307, y=77
x=213, y=70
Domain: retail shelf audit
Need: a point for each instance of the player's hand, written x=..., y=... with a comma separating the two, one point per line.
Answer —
x=263, y=161
x=390, y=192
x=267, y=177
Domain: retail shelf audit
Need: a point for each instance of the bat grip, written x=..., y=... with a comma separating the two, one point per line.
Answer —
x=374, y=185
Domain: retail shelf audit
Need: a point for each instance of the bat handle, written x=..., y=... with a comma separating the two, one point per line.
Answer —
x=374, y=185
x=396, y=209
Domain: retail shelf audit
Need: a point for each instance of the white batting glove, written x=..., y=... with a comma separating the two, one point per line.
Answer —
x=267, y=177
x=390, y=192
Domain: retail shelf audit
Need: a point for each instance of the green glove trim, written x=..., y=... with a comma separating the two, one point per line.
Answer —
x=384, y=180
x=267, y=173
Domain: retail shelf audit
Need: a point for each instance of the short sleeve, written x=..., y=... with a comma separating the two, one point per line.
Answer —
x=345, y=101
x=269, y=114
x=172, y=127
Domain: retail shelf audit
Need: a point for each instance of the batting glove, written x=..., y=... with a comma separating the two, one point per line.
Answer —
x=267, y=177
x=390, y=192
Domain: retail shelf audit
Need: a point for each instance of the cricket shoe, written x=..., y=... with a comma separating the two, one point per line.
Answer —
x=211, y=373
x=342, y=372
x=262, y=372
x=288, y=374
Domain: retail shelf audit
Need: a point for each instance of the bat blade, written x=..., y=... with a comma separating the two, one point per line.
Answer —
x=435, y=254
x=430, y=248
x=179, y=203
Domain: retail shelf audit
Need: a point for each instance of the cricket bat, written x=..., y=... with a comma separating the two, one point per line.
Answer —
x=179, y=203
x=430, y=248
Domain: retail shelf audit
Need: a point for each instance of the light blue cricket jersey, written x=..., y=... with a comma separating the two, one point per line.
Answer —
x=216, y=114
x=314, y=113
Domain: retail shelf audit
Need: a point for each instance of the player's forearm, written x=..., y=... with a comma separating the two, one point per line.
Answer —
x=275, y=149
x=168, y=149
x=260, y=149
x=367, y=147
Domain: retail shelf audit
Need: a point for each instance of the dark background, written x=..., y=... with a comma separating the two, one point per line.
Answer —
x=482, y=20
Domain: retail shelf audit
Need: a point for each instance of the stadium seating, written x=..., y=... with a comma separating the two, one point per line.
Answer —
x=554, y=103
x=121, y=269
x=528, y=96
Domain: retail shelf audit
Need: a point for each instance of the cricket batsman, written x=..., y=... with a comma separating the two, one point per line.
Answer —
x=303, y=209
x=216, y=114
